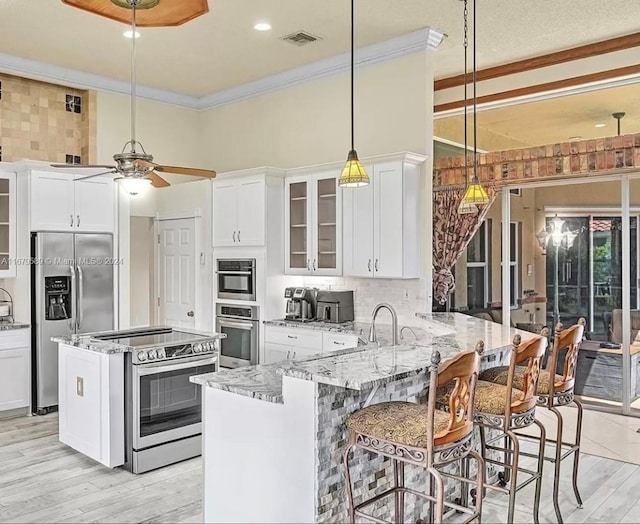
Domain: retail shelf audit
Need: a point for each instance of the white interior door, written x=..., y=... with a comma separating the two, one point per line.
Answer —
x=177, y=267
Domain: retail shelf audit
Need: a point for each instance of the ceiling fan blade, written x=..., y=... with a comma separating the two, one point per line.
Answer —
x=93, y=176
x=156, y=180
x=75, y=166
x=190, y=171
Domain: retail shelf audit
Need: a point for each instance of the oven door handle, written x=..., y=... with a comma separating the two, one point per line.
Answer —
x=224, y=272
x=160, y=368
x=223, y=322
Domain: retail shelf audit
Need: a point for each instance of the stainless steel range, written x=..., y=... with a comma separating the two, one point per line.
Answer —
x=162, y=408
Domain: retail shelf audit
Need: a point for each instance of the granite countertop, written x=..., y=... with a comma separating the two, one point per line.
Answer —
x=7, y=326
x=365, y=366
x=89, y=342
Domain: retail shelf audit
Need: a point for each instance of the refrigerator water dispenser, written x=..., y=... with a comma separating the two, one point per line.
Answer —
x=57, y=292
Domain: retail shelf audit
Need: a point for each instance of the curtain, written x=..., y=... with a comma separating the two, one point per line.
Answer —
x=452, y=232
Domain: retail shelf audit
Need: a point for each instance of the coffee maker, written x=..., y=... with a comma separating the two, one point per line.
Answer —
x=301, y=303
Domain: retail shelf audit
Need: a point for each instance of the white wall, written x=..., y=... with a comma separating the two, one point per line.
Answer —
x=142, y=271
x=310, y=123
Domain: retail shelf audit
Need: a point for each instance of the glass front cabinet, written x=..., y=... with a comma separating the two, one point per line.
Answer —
x=313, y=240
x=7, y=224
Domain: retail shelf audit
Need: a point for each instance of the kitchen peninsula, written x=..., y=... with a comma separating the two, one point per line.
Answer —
x=273, y=435
x=125, y=398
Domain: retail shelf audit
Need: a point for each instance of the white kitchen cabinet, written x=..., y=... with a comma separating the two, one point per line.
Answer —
x=8, y=224
x=15, y=369
x=60, y=203
x=381, y=222
x=337, y=341
x=239, y=212
x=91, y=403
x=313, y=225
x=276, y=352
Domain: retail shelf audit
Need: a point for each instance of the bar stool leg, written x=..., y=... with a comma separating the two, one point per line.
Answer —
x=436, y=485
x=350, y=445
x=513, y=477
x=557, y=463
x=398, y=473
x=479, y=484
x=541, y=449
x=576, y=453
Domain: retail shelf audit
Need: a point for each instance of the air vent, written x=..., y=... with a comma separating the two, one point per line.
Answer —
x=300, y=38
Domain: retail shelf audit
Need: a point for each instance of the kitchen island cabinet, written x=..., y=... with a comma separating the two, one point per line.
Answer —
x=278, y=430
x=15, y=367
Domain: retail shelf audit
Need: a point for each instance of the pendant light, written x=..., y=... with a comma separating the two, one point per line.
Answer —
x=353, y=174
x=474, y=194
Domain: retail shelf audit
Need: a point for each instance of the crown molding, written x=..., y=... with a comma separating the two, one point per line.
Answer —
x=424, y=39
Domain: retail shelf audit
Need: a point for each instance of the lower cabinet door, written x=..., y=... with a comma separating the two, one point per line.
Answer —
x=276, y=352
x=15, y=371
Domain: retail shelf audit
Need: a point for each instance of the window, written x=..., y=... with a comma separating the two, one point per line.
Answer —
x=514, y=263
x=478, y=269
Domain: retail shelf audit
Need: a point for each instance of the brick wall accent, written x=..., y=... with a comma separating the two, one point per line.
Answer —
x=602, y=156
x=370, y=473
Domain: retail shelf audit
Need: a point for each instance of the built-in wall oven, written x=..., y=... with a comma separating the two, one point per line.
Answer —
x=240, y=325
x=236, y=278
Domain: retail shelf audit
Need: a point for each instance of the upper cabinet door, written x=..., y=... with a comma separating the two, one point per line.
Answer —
x=225, y=214
x=358, y=229
x=251, y=213
x=297, y=222
x=327, y=221
x=388, y=220
x=52, y=202
x=7, y=224
x=94, y=203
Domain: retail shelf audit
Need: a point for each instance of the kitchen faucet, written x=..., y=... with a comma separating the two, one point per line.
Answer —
x=394, y=323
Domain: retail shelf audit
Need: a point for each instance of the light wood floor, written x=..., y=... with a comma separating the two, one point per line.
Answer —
x=42, y=480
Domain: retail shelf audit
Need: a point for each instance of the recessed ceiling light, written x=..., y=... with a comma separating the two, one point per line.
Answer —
x=600, y=125
x=575, y=138
x=262, y=26
x=129, y=34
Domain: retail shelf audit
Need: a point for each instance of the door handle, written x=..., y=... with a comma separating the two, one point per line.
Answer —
x=308, y=268
x=190, y=313
x=369, y=266
x=238, y=236
x=292, y=336
x=78, y=224
x=314, y=264
x=70, y=220
x=375, y=265
x=72, y=320
x=288, y=354
x=80, y=288
x=234, y=236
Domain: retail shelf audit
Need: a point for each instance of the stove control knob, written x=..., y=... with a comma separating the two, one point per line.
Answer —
x=161, y=353
x=142, y=356
x=206, y=346
x=152, y=354
x=197, y=348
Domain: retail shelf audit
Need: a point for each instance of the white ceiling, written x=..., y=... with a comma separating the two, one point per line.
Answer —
x=221, y=49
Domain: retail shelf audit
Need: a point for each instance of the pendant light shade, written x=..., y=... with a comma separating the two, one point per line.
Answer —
x=475, y=194
x=353, y=174
x=135, y=185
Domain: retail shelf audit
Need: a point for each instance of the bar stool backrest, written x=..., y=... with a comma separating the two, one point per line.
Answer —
x=531, y=353
x=461, y=370
x=570, y=340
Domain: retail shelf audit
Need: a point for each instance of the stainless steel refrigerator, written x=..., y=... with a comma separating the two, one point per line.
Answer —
x=72, y=291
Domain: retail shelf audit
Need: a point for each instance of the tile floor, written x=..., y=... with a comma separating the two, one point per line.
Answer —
x=42, y=480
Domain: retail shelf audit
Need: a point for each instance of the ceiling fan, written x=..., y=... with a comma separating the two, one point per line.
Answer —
x=134, y=165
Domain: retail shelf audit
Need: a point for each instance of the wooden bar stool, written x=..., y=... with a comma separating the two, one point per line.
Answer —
x=418, y=434
x=555, y=393
x=505, y=407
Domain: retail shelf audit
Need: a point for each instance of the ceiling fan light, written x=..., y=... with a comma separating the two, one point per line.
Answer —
x=353, y=174
x=129, y=34
x=135, y=185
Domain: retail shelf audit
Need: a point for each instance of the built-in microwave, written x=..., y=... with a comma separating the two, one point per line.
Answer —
x=236, y=278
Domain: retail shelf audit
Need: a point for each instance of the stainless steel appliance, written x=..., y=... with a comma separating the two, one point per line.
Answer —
x=240, y=324
x=236, y=278
x=335, y=306
x=71, y=292
x=301, y=303
x=163, y=410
